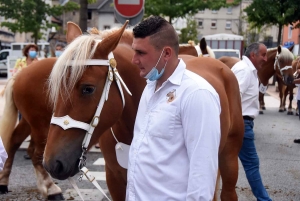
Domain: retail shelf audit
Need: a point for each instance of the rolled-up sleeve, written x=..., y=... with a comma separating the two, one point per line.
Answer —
x=201, y=124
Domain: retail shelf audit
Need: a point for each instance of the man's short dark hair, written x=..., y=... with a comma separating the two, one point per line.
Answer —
x=160, y=31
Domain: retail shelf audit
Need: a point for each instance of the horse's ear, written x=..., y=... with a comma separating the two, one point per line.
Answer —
x=73, y=31
x=203, y=44
x=279, y=49
x=110, y=43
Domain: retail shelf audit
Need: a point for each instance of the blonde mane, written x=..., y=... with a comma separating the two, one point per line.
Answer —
x=62, y=77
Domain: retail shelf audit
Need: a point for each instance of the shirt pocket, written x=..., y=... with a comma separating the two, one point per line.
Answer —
x=162, y=121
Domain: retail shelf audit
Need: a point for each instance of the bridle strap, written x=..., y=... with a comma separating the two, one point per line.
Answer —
x=276, y=63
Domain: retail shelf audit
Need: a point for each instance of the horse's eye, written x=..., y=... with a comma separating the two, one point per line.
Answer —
x=87, y=90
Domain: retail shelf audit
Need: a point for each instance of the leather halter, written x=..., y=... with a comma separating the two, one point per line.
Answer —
x=66, y=122
x=276, y=63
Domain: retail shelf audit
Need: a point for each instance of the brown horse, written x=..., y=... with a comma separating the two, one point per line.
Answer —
x=75, y=91
x=36, y=93
x=278, y=59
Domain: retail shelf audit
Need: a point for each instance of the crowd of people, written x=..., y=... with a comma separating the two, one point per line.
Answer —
x=156, y=53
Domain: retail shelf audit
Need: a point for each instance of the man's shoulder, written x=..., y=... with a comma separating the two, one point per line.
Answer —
x=193, y=81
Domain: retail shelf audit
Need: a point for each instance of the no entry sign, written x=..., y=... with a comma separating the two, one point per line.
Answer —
x=129, y=8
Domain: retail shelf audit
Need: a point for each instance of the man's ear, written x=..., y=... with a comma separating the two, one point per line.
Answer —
x=168, y=52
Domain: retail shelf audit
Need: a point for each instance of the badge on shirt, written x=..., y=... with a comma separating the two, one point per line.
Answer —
x=171, y=95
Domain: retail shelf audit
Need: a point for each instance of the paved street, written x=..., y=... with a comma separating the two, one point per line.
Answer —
x=279, y=159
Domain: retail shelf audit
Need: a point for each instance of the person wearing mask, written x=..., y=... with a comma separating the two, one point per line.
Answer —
x=174, y=151
x=30, y=55
x=246, y=74
x=59, y=48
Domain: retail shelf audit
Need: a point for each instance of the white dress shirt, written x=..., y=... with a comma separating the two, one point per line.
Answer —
x=246, y=75
x=3, y=155
x=174, y=152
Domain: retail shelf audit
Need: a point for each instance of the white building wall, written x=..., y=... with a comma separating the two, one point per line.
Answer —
x=107, y=21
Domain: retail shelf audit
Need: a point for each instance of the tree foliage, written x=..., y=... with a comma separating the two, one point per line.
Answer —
x=273, y=12
x=179, y=8
x=190, y=32
x=30, y=16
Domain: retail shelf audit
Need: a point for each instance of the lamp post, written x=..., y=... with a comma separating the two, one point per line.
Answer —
x=51, y=41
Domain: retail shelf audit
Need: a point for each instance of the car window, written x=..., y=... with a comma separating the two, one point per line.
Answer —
x=3, y=55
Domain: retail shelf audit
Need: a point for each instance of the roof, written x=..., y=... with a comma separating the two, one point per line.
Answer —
x=223, y=36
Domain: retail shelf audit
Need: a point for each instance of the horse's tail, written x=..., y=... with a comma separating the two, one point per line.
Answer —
x=10, y=114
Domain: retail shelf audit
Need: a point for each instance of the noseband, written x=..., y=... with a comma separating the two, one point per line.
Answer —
x=66, y=122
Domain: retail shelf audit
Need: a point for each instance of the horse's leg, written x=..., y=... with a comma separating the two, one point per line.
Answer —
x=228, y=164
x=116, y=184
x=281, y=88
x=45, y=183
x=291, y=97
x=18, y=136
x=261, y=103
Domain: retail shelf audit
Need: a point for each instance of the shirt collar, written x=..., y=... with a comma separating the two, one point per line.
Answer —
x=249, y=63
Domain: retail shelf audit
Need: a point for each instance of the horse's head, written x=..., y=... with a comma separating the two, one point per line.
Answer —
x=79, y=85
x=283, y=65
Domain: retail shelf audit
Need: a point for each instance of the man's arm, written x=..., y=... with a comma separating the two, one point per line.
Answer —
x=201, y=124
x=243, y=80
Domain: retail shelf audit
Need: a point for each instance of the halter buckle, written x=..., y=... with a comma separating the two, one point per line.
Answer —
x=95, y=121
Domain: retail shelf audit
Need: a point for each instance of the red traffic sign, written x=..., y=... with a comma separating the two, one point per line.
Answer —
x=129, y=8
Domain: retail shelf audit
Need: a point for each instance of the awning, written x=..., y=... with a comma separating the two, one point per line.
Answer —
x=288, y=44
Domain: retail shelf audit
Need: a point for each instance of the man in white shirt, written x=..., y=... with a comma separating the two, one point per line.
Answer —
x=246, y=74
x=297, y=83
x=174, y=151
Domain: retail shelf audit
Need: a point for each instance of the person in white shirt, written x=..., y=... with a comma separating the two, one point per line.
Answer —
x=3, y=155
x=246, y=74
x=297, y=83
x=174, y=151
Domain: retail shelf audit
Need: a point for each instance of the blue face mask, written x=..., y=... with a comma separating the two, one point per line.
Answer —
x=153, y=74
x=32, y=54
x=58, y=53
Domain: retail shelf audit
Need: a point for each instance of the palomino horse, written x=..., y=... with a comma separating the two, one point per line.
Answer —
x=34, y=99
x=279, y=62
x=75, y=93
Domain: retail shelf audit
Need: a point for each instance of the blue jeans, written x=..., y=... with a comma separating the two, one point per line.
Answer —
x=298, y=104
x=250, y=161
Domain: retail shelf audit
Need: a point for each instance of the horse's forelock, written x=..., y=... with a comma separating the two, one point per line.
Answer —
x=62, y=77
x=286, y=55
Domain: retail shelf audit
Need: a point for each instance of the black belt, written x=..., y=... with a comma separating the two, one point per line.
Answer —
x=247, y=118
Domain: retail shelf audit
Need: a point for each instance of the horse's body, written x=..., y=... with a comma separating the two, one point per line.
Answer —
x=64, y=146
x=32, y=81
x=197, y=51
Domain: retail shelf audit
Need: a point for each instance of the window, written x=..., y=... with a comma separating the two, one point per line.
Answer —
x=290, y=32
x=214, y=11
x=228, y=24
x=200, y=24
x=214, y=24
x=229, y=10
x=106, y=27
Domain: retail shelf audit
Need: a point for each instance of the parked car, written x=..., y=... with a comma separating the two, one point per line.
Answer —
x=227, y=52
x=3, y=61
